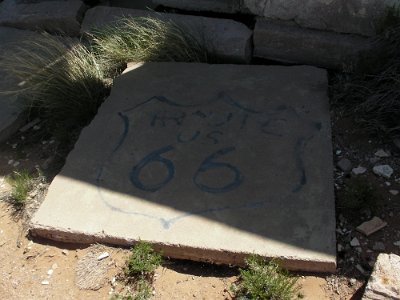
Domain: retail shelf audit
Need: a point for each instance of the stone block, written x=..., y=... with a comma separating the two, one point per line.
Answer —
x=384, y=282
x=10, y=111
x=52, y=16
x=206, y=162
x=349, y=16
x=220, y=6
x=228, y=39
x=292, y=44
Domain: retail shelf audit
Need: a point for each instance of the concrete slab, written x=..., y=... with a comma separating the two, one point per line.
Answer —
x=207, y=162
x=10, y=112
x=229, y=40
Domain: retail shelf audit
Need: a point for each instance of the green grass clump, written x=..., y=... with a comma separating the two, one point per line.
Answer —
x=21, y=184
x=141, y=39
x=143, y=291
x=59, y=78
x=143, y=261
x=264, y=280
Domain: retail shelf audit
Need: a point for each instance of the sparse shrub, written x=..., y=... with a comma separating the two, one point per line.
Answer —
x=142, y=292
x=141, y=39
x=264, y=280
x=60, y=79
x=21, y=183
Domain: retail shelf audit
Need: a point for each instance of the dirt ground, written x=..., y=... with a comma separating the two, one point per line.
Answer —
x=41, y=269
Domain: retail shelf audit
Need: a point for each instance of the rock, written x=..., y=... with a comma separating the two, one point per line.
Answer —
x=50, y=272
x=374, y=160
x=352, y=281
x=340, y=248
x=394, y=192
x=45, y=282
x=359, y=170
x=379, y=246
x=383, y=170
x=344, y=164
x=350, y=16
x=369, y=227
x=221, y=6
x=52, y=16
x=384, y=282
x=103, y=256
x=227, y=39
x=11, y=116
x=397, y=243
x=293, y=44
x=382, y=154
x=355, y=242
x=65, y=252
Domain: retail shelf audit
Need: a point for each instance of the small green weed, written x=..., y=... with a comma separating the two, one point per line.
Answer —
x=21, y=183
x=143, y=291
x=264, y=280
x=142, y=261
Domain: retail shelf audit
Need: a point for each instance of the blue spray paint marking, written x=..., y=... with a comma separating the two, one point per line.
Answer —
x=167, y=223
x=155, y=156
x=209, y=164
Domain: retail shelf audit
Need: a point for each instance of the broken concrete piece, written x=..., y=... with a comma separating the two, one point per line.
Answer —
x=224, y=38
x=52, y=16
x=382, y=154
x=293, y=44
x=371, y=226
x=206, y=162
x=384, y=282
x=359, y=170
x=383, y=170
x=355, y=242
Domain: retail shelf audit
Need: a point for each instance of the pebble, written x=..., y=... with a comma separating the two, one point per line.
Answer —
x=359, y=170
x=381, y=153
x=344, y=164
x=16, y=164
x=369, y=227
x=36, y=127
x=103, y=255
x=54, y=266
x=352, y=281
x=388, y=183
x=383, y=170
x=338, y=152
x=340, y=248
x=394, y=192
x=65, y=252
x=397, y=243
x=45, y=282
x=361, y=269
x=355, y=242
x=50, y=272
x=10, y=162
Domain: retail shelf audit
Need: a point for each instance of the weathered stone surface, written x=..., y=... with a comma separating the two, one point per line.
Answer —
x=207, y=162
x=384, y=282
x=228, y=39
x=10, y=112
x=292, y=44
x=52, y=16
x=349, y=16
x=222, y=6
x=371, y=226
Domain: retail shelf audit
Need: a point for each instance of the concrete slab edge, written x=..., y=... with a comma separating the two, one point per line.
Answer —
x=178, y=251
